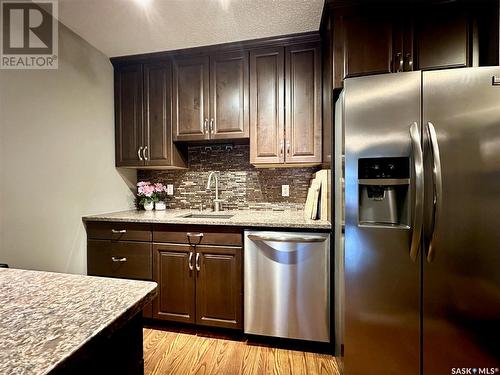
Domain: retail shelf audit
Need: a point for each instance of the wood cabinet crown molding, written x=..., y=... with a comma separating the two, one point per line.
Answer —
x=246, y=45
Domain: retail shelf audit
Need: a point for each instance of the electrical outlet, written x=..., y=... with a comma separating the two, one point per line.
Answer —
x=285, y=190
x=170, y=189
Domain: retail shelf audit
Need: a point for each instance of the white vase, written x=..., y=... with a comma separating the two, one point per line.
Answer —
x=148, y=206
x=160, y=206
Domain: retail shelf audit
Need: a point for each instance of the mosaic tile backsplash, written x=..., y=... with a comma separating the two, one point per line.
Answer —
x=241, y=185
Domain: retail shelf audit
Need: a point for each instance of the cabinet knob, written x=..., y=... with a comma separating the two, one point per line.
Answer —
x=121, y=231
x=139, y=153
x=144, y=152
x=205, y=126
x=119, y=259
x=212, y=131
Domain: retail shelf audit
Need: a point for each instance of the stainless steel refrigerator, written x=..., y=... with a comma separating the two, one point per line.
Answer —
x=422, y=223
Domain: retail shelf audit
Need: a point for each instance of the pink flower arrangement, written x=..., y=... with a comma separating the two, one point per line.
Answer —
x=148, y=192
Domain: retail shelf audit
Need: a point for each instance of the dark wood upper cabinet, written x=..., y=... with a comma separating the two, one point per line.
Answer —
x=303, y=131
x=176, y=292
x=388, y=37
x=327, y=92
x=191, y=98
x=229, y=96
x=286, y=105
x=211, y=97
x=129, y=115
x=234, y=91
x=267, y=106
x=144, y=117
x=442, y=37
x=160, y=149
x=367, y=41
x=219, y=297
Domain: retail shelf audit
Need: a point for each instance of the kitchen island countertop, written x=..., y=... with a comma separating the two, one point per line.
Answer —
x=240, y=218
x=45, y=317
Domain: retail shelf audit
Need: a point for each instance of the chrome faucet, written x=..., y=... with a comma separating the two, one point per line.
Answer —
x=217, y=201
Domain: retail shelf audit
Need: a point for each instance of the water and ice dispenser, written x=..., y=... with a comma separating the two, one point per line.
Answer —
x=384, y=185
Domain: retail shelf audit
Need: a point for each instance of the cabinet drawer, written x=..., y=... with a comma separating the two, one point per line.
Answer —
x=211, y=236
x=119, y=231
x=130, y=260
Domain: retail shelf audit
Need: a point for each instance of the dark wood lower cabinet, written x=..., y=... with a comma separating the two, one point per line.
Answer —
x=122, y=259
x=219, y=296
x=176, y=281
x=199, y=284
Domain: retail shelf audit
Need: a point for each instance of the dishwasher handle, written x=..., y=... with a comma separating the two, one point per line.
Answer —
x=308, y=239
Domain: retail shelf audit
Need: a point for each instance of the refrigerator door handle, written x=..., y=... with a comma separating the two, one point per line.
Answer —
x=418, y=208
x=437, y=188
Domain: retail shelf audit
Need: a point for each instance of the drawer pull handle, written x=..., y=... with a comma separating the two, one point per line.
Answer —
x=118, y=231
x=119, y=259
x=199, y=236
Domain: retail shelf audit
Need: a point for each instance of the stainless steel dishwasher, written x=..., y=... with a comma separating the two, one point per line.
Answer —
x=287, y=283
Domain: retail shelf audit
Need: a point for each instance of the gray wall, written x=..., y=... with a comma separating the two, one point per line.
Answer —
x=57, y=158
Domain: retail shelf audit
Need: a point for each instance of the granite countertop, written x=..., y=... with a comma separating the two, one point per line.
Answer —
x=243, y=218
x=45, y=317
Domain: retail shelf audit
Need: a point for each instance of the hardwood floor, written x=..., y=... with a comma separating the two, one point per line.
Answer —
x=167, y=352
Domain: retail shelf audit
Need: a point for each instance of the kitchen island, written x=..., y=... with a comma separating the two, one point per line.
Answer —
x=70, y=324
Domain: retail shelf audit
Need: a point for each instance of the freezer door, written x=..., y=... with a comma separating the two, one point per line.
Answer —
x=382, y=290
x=461, y=120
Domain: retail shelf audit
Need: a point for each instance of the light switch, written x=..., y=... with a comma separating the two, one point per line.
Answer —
x=170, y=189
x=285, y=190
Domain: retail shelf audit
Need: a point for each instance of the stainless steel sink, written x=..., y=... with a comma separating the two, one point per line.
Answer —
x=208, y=216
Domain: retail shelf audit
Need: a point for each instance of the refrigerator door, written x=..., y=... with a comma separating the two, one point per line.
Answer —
x=382, y=285
x=461, y=273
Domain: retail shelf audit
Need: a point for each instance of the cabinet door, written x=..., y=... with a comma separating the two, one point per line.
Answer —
x=327, y=90
x=158, y=113
x=367, y=44
x=267, y=101
x=229, y=96
x=172, y=271
x=128, y=113
x=442, y=36
x=190, y=102
x=303, y=104
x=219, y=286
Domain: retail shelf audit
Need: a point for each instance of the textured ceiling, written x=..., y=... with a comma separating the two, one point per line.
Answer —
x=124, y=27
